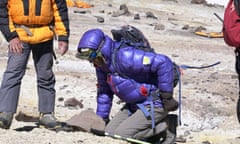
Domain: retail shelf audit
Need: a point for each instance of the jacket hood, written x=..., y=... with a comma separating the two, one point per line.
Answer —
x=95, y=39
x=91, y=39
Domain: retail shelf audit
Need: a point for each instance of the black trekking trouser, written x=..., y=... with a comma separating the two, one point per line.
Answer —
x=237, y=67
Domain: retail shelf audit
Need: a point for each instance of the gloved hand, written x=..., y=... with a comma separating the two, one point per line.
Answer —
x=169, y=103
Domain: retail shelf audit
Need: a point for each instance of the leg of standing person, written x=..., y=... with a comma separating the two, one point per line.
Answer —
x=237, y=67
x=43, y=61
x=11, y=83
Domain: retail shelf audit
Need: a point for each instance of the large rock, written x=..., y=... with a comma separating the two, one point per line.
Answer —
x=86, y=120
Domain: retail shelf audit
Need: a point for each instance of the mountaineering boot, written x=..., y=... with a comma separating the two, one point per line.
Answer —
x=5, y=120
x=171, y=133
x=169, y=103
x=169, y=138
x=165, y=137
x=156, y=133
x=48, y=121
x=172, y=122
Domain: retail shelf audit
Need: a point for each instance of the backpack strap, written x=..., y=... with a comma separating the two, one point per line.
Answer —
x=114, y=61
x=146, y=112
x=127, y=43
x=150, y=114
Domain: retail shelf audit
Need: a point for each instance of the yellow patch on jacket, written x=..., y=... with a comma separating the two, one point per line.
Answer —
x=146, y=60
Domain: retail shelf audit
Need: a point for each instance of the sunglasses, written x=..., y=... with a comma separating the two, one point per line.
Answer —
x=93, y=55
x=89, y=54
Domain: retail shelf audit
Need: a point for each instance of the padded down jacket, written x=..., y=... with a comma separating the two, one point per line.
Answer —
x=144, y=71
x=40, y=17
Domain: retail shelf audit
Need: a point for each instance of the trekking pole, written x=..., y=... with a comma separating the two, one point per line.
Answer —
x=218, y=17
x=198, y=67
x=103, y=133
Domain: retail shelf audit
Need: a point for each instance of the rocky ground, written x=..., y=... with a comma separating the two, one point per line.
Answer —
x=208, y=95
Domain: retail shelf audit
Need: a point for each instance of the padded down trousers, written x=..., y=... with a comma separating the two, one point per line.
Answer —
x=42, y=54
x=137, y=125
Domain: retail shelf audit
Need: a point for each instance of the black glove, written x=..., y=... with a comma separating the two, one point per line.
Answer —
x=169, y=103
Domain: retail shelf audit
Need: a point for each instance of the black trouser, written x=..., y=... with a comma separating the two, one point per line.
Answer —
x=237, y=67
x=237, y=64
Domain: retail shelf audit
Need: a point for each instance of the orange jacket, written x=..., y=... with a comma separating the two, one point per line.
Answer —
x=40, y=18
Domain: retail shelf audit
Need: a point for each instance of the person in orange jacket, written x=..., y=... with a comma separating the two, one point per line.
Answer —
x=30, y=26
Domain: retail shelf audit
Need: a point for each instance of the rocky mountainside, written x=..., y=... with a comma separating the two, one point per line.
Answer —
x=209, y=96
